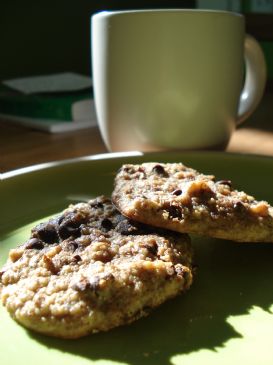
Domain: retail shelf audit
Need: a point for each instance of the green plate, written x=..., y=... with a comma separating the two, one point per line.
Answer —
x=225, y=318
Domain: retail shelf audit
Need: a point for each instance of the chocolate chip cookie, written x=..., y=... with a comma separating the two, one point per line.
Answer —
x=90, y=269
x=179, y=198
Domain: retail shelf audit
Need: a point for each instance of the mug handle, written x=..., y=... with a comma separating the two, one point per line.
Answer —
x=255, y=78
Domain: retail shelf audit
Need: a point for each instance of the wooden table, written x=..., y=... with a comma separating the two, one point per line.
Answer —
x=20, y=147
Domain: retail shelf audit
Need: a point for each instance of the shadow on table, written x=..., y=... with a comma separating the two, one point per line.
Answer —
x=231, y=279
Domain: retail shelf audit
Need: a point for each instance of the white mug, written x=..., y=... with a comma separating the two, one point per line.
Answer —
x=173, y=79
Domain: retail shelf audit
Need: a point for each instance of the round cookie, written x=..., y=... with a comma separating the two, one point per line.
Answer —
x=91, y=269
x=176, y=197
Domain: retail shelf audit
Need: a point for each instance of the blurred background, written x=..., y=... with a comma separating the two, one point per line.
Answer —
x=48, y=37
x=42, y=37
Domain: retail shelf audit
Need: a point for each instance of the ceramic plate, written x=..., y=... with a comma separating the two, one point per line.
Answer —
x=225, y=318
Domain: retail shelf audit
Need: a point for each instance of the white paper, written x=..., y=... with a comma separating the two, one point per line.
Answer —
x=61, y=82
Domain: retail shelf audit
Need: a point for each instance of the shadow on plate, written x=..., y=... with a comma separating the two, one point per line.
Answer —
x=231, y=279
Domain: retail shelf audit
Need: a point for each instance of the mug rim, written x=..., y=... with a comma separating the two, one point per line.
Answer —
x=109, y=13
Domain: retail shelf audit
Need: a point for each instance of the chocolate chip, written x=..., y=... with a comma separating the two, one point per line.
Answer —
x=174, y=211
x=96, y=205
x=127, y=227
x=34, y=243
x=2, y=272
x=159, y=170
x=91, y=284
x=142, y=172
x=70, y=225
x=106, y=224
x=204, y=194
x=177, y=192
x=67, y=230
x=47, y=232
x=239, y=207
x=151, y=247
x=76, y=258
x=225, y=182
x=60, y=219
x=75, y=245
x=70, y=246
x=127, y=169
x=85, y=284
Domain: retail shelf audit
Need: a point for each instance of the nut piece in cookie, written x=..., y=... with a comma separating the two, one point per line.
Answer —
x=90, y=269
x=181, y=199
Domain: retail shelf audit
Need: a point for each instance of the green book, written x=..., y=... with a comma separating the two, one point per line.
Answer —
x=47, y=106
x=49, y=102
